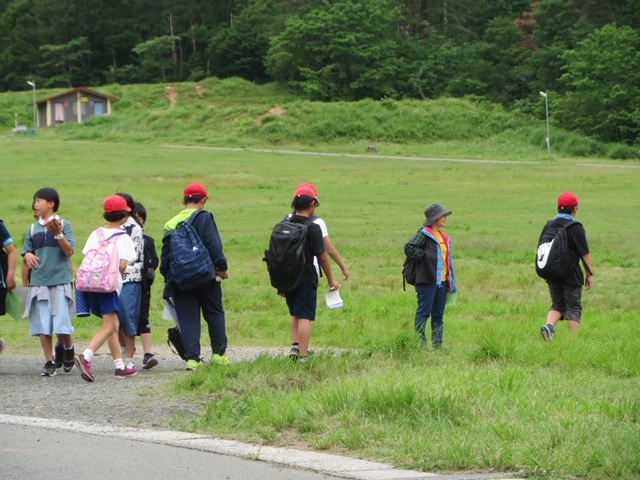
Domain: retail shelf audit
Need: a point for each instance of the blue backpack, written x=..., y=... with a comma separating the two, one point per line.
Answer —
x=189, y=261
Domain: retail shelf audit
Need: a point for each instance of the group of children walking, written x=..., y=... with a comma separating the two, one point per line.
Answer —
x=52, y=299
x=50, y=303
x=47, y=270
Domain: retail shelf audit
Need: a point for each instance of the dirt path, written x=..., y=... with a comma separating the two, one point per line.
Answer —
x=139, y=401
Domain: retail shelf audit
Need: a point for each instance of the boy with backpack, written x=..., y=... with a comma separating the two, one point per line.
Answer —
x=193, y=265
x=48, y=245
x=333, y=254
x=562, y=244
x=294, y=243
x=150, y=264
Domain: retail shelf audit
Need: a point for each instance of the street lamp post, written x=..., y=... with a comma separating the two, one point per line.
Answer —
x=546, y=106
x=33, y=84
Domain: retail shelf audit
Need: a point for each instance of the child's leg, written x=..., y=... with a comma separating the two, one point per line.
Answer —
x=130, y=345
x=144, y=326
x=114, y=346
x=145, y=339
x=109, y=327
x=304, y=335
x=295, y=337
x=47, y=347
x=65, y=340
x=123, y=344
x=574, y=327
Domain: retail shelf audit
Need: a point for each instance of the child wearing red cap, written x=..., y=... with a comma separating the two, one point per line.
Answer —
x=106, y=305
x=302, y=301
x=331, y=250
x=566, y=294
x=206, y=297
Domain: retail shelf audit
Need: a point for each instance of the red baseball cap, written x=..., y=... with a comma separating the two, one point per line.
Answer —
x=195, y=190
x=115, y=203
x=307, y=189
x=567, y=199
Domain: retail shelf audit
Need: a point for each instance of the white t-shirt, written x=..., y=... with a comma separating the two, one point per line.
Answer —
x=124, y=246
x=325, y=233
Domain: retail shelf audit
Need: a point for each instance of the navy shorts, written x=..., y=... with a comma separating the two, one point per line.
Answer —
x=101, y=303
x=566, y=299
x=302, y=301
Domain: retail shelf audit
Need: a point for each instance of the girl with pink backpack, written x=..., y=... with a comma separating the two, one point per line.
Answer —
x=105, y=242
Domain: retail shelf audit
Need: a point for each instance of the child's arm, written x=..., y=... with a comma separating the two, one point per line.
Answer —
x=586, y=261
x=335, y=256
x=56, y=228
x=12, y=255
x=25, y=274
x=123, y=265
x=323, y=260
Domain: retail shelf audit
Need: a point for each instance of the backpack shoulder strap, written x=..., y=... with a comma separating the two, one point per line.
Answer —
x=117, y=234
x=193, y=216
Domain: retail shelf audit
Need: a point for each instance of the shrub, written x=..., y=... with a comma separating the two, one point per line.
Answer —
x=623, y=152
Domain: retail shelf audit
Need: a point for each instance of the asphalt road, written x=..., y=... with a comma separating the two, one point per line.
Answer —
x=28, y=452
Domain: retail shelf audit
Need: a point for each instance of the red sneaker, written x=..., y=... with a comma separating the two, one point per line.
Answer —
x=84, y=367
x=126, y=372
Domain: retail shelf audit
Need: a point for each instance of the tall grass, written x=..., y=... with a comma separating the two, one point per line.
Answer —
x=495, y=398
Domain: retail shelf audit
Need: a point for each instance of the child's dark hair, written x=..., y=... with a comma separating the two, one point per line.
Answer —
x=302, y=202
x=568, y=210
x=50, y=195
x=128, y=198
x=193, y=198
x=140, y=211
x=114, y=216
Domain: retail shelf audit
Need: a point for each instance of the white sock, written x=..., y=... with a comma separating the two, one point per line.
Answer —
x=119, y=364
x=88, y=355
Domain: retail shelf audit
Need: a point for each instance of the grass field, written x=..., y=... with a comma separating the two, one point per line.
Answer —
x=495, y=398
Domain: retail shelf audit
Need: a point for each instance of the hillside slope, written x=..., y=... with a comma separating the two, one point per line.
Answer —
x=237, y=113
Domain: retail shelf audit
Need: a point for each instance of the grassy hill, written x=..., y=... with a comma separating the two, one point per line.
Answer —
x=237, y=113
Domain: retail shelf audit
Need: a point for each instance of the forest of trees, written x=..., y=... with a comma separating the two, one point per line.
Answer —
x=585, y=54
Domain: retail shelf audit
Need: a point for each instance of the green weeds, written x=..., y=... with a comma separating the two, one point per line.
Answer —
x=494, y=398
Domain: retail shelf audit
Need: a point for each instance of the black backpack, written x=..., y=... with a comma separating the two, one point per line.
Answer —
x=150, y=260
x=553, y=258
x=410, y=271
x=287, y=254
x=414, y=251
x=189, y=261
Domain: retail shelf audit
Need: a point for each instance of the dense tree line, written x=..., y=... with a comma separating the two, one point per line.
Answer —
x=584, y=53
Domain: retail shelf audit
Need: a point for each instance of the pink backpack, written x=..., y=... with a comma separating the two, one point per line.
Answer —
x=100, y=268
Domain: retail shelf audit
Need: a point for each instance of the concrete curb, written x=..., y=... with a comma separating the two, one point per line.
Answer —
x=329, y=464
